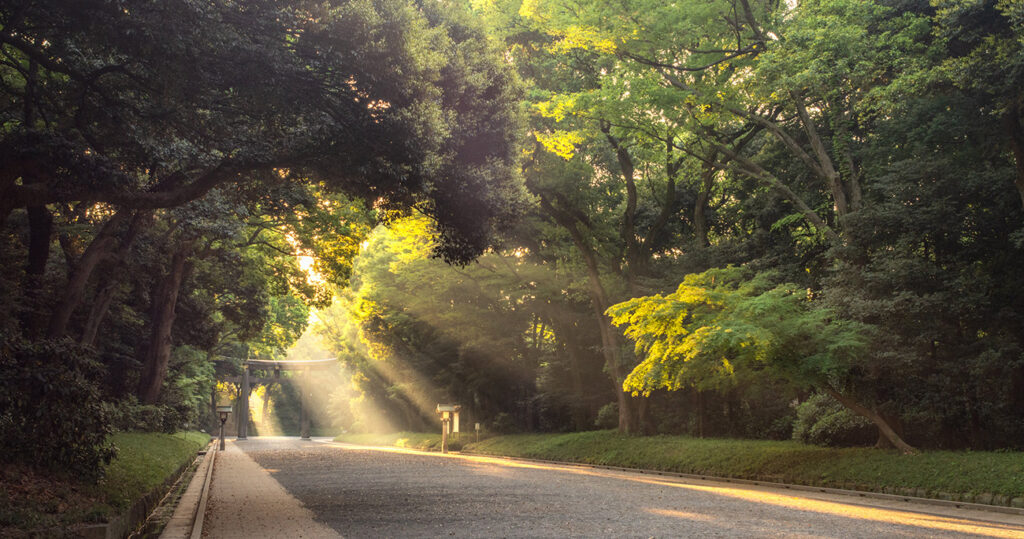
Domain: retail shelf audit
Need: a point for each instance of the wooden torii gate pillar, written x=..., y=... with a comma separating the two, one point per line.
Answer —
x=277, y=366
x=243, y=404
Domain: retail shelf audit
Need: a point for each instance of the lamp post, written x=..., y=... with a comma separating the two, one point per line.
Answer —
x=448, y=412
x=223, y=412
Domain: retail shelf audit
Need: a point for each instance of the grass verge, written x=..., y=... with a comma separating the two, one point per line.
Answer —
x=982, y=477
x=979, y=477
x=29, y=501
x=144, y=461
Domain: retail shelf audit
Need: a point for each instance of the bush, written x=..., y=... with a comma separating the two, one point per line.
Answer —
x=608, y=416
x=504, y=424
x=820, y=420
x=130, y=415
x=52, y=416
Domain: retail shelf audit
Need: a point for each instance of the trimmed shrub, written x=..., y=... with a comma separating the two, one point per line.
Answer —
x=608, y=416
x=820, y=420
x=130, y=415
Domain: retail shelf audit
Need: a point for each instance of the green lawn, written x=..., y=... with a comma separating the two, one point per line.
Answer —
x=986, y=477
x=144, y=460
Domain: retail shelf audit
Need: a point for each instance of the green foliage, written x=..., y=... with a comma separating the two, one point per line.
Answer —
x=608, y=416
x=820, y=420
x=415, y=331
x=128, y=415
x=52, y=415
x=727, y=320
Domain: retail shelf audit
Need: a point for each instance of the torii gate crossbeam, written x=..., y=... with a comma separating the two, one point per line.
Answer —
x=303, y=366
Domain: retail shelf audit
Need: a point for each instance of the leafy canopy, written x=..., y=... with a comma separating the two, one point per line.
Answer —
x=724, y=321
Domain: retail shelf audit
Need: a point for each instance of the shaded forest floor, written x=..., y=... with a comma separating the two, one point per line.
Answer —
x=55, y=506
x=975, y=476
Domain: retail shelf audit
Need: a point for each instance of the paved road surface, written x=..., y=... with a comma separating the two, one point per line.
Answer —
x=285, y=487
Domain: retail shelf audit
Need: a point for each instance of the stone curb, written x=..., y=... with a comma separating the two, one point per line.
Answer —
x=187, y=520
x=805, y=488
x=126, y=523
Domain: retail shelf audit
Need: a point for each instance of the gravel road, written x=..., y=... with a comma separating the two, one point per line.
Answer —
x=379, y=492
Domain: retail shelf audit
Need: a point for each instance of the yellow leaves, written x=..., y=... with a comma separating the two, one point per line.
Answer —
x=560, y=143
x=482, y=5
x=727, y=368
x=415, y=235
x=530, y=9
x=582, y=37
x=558, y=107
x=573, y=36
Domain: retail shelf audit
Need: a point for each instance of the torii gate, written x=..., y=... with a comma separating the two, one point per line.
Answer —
x=247, y=379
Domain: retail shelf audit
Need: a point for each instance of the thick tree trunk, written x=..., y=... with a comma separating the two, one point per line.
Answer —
x=101, y=246
x=157, y=352
x=610, y=347
x=625, y=411
x=98, y=311
x=883, y=426
x=893, y=421
x=40, y=223
x=108, y=285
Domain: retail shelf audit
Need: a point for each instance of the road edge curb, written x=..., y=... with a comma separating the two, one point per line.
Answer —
x=188, y=516
x=200, y=510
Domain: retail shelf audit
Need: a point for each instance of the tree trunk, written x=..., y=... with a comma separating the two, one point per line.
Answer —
x=108, y=285
x=700, y=207
x=628, y=230
x=40, y=223
x=897, y=427
x=158, y=350
x=98, y=249
x=826, y=169
x=599, y=301
x=874, y=417
x=625, y=411
x=100, y=306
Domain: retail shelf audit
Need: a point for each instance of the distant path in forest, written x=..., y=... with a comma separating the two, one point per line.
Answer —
x=269, y=486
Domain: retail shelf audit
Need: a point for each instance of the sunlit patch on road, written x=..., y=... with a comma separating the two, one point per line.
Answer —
x=493, y=466
x=681, y=514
